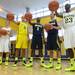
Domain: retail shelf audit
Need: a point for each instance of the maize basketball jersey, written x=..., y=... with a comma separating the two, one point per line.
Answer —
x=23, y=28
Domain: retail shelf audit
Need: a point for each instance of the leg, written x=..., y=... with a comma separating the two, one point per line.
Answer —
x=72, y=63
x=58, y=66
x=51, y=56
x=23, y=56
x=70, y=54
x=16, y=56
x=51, y=59
x=1, y=54
x=7, y=58
x=32, y=52
x=41, y=55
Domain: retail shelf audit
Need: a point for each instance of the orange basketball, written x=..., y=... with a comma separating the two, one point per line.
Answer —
x=53, y=5
x=28, y=16
x=0, y=32
x=48, y=27
x=3, y=32
x=10, y=16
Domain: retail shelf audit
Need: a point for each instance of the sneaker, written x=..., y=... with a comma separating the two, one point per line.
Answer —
x=6, y=63
x=24, y=62
x=58, y=66
x=0, y=62
x=29, y=65
x=71, y=68
x=42, y=65
x=15, y=64
x=50, y=65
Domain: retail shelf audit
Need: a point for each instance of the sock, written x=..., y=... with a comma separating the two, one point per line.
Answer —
x=31, y=59
x=51, y=60
x=16, y=60
x=59, y=60
x=7, y=58
x=42, y=60
x=0, y=58
x=24, y=60
x=72, y=61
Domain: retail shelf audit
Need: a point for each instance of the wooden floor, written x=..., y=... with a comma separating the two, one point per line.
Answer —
x=35, y=70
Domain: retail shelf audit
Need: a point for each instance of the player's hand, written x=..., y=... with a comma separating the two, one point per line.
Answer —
x=52, y=27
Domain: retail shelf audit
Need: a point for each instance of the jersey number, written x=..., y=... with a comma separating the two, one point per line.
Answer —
x=38, y=28
x=68, y=19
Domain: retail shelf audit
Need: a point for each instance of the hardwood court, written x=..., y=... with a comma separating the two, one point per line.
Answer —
x=35, y=70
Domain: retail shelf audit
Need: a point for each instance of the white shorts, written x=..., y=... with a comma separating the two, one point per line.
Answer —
x=4, y=44
x=69, y=37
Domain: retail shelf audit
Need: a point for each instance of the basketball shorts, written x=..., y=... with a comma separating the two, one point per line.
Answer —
x=4, y=44
x=36, y=43
x=52, y=42
x=69, y=37
x=22, y=41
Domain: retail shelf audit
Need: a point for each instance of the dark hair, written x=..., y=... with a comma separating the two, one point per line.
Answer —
x=67, y=6
x=38, y=18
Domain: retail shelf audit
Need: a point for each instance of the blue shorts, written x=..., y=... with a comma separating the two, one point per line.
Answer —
x=36, y=43
x=52, y=42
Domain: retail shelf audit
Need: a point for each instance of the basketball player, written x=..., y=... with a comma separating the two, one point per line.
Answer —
x=22, y=41
x=69, y=32
x=52, y=42
x=37, y=41
x=4, y=43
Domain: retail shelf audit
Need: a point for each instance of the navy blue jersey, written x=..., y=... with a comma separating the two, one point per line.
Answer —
x=53, y=31
x=37, y=30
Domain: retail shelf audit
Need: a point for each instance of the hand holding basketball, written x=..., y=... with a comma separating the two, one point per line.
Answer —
x=3, y=32
x=48, y=26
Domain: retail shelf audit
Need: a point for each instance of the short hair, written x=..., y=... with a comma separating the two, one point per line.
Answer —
x=67, y=6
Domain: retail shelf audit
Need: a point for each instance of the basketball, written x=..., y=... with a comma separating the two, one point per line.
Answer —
x=28, y=16
x=3, y=32
x=53, y=5
x=48, y=27
x=10, y=16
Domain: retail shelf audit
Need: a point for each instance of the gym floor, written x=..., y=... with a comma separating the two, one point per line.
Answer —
x=35, y=70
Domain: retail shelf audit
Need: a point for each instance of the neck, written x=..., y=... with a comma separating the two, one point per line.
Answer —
x=67, y=11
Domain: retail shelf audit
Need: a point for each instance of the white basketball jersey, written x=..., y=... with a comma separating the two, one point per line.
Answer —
x=68, y=19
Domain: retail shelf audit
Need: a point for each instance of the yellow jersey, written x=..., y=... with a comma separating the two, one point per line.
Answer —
x=23, y=28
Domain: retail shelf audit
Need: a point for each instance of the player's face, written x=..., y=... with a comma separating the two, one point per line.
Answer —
x=38, y=20
x=67, y=7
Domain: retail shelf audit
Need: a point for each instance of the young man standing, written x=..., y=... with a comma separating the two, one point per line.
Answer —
x=5, y=42
x=37, y=41
x=69, y=32
x=52, y=42
x=22, y=41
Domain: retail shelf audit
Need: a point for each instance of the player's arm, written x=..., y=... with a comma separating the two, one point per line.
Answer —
x=57, y=26
x=31, y=23
x=43, y=37
x=58, y=15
